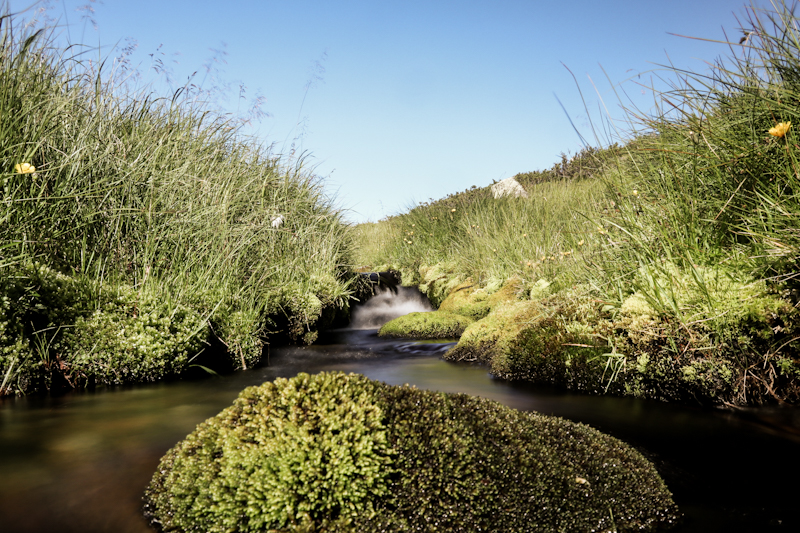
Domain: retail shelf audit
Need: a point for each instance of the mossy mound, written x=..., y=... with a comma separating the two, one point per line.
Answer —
x=336, y=452
x=429, y=325
x=435, y=282
x=467, y=300
x=741, y=354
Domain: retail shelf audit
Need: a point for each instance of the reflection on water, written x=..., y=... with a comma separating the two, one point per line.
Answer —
x=80, y=462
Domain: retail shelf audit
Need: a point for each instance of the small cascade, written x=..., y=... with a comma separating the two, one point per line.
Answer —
x=388, y=304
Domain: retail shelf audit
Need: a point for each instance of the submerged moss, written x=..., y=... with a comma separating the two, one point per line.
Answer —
x=427, y=325
x=338, y=452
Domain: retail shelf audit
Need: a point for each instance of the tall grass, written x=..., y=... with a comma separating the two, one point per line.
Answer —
x=472, y=235
x=159, y=202
x=685, y=238
x=714, y=187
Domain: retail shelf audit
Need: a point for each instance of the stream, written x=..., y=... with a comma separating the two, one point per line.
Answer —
x=80, y=462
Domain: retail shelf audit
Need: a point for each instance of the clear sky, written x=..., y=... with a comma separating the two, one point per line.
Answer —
x=396, y=102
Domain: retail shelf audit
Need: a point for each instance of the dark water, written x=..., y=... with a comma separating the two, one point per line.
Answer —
x=80, y=462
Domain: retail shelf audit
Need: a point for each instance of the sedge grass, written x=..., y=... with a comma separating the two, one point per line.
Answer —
x=139, y=206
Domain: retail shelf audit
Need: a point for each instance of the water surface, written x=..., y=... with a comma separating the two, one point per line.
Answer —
x=80, y=462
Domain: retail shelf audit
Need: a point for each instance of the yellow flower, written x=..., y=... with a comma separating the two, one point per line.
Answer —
x=453, y=210
x=24, y=168
x=781, y=129
x=580, y=242
x=524, y=234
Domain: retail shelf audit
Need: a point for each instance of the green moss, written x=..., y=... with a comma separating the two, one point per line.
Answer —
x=430, y=325
x=437, y=281
x=286, y=453
x=338, y=452
x=467, y=300
x=540, y=289
x=487, y=339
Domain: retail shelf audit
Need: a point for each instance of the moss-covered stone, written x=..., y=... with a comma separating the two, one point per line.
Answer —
x=336, y=452
x=426, y=325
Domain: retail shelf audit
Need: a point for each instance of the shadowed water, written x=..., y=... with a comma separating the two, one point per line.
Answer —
x=80, y=462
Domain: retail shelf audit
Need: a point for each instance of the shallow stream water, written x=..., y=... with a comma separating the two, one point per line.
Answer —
x=81, y=461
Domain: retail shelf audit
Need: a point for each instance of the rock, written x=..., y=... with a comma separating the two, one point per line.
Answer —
x=508, y=187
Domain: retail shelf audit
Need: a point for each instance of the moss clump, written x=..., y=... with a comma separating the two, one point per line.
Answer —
x=338, y=452
x=546, y=341
x=132, y=338
x=430, y=325
x=467, y=300
x=435, y=282
x=288, y=453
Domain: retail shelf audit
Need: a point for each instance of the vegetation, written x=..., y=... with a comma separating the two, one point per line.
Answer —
x=336, y=452
x=140, y=236
x=441, y=325
x=667, y=265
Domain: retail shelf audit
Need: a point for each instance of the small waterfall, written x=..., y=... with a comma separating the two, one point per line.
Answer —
x=386, y=306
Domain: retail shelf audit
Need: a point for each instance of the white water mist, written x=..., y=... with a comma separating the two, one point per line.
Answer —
x=386, y=306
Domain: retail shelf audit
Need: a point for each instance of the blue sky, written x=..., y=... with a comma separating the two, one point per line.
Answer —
x=398, y=102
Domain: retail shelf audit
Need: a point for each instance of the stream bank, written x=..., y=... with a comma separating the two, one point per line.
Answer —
x=527, y=331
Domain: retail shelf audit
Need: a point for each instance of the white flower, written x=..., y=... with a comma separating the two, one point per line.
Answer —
x=277, y=221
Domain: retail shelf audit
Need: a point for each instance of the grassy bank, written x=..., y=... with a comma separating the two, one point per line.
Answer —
x=663, y=267
x=143, y=236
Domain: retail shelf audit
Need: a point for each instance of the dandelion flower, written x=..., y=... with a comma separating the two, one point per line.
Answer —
x=781, y=129
x=24, y=168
